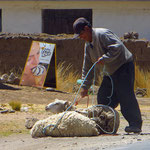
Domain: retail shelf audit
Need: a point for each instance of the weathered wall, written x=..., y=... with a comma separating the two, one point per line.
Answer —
x=14, y=50
x=140, y=49
x=141, y=52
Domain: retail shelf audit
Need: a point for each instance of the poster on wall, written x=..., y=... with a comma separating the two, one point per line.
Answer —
x=37, y=64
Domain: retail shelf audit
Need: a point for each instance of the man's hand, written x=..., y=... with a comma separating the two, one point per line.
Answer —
x=100, y=61
x=84, y=92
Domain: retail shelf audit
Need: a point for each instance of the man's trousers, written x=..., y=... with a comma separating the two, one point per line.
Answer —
x=123, y=93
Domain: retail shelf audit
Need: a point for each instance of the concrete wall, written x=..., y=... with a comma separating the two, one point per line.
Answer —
x=120, y=17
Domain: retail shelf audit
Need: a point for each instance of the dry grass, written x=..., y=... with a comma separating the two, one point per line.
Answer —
x=66, y=78
x=16, y=105
x=17, y=71
x=142, y=79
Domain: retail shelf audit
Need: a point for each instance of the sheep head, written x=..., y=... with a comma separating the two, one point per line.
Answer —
x=59, y=106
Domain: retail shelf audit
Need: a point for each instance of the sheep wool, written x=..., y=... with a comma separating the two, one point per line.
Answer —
x=70, y=125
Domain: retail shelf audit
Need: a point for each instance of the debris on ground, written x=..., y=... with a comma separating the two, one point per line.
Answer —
x=12, y=79
x=141, y=92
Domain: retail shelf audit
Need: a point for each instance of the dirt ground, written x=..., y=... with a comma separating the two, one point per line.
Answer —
x=14, y=135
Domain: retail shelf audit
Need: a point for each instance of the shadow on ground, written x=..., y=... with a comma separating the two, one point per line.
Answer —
x=7, y=87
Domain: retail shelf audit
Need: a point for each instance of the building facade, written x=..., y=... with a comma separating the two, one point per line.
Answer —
x=26, y=16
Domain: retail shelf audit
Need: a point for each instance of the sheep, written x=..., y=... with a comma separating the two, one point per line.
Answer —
x=70, y=125
x=103, y=115
x=106, y=118
x=101, y=118
x=55, y=107
x=59, y=106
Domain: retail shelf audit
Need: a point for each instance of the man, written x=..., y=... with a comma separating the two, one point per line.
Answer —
x=104, y=46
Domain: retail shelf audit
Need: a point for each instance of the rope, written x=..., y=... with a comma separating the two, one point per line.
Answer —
x=109, y=97
x=44, y=130
x=55, y=126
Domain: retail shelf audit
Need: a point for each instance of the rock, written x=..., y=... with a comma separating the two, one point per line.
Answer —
x=16, y=81
x=25, y=109
x=131, y=35
x=11, y=78
x=12, y=111
x=4, y=111
x=140, y=92
x=30, y=122
x=4, y=78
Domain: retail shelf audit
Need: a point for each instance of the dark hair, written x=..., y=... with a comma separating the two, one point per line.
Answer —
x=79, y=25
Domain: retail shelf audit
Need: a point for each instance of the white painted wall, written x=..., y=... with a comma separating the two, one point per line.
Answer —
x=120, y=17
x=21, y=17
x=123, y=17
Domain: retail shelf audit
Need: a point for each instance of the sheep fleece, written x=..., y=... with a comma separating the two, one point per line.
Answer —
x=71, y=124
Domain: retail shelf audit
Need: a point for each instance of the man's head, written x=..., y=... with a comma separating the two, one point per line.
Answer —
x=83, y=29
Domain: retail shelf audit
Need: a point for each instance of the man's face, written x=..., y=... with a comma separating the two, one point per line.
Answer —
x=86, y=34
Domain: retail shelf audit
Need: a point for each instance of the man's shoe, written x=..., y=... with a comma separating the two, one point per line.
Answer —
x=130, y=129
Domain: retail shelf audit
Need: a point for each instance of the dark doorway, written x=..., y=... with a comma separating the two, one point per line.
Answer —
x=57, y=21
x=51, y=73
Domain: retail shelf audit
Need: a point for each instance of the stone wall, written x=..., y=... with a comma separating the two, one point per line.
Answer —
x=14, y=50
x=141, y=52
